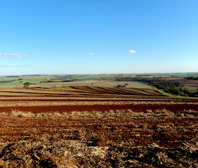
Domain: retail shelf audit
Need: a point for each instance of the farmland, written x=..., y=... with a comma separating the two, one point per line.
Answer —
x=98, y=84
x=96, y=126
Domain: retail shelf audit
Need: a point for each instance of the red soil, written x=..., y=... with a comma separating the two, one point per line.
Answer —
x=69, y=108
x=107, y=131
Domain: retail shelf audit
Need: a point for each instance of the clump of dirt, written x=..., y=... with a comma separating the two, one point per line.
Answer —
x=154, y=156
x=50, y=151
x=30, y=152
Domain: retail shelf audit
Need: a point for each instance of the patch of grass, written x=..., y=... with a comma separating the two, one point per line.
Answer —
x=168, y=94
x=67, y=89
x=32, y=80
x=191, y=89
x=15, y=82
x=99, y=76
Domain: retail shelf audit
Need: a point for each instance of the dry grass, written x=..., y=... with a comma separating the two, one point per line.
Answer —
x=77, y=103
x=104, y=114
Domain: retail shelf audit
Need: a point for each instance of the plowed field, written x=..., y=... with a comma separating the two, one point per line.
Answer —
x=96, y=127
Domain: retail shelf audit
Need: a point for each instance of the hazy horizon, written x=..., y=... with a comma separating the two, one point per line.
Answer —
x=164, y=73
x=98, y=37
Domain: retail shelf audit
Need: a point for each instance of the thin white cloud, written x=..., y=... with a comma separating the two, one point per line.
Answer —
x=78, y=63
x=88, y=53
x=28, y=56
x=131, y=51
x=13, y=66
x=75, y=54
x=15, y=55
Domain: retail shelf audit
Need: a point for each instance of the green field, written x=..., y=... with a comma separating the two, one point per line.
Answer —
x=80, y=80
x=66, y=89
x=18, y=82
x=100, y=80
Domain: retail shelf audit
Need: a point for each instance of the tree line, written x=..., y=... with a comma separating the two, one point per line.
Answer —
x=191, y=78
x=172, y=88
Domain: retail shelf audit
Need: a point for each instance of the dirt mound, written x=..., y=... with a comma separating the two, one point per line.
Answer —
x=49, y=151
x=155, y=156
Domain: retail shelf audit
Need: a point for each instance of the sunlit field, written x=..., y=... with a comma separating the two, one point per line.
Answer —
x=95, y=126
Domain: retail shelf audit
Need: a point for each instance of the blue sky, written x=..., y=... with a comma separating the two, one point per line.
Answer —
x=98, y=36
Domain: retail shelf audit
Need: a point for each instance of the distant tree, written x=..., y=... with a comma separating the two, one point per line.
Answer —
x=26, y=85
x=120, y=86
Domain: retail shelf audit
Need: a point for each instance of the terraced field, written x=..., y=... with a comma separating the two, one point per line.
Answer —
x=96, y=127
